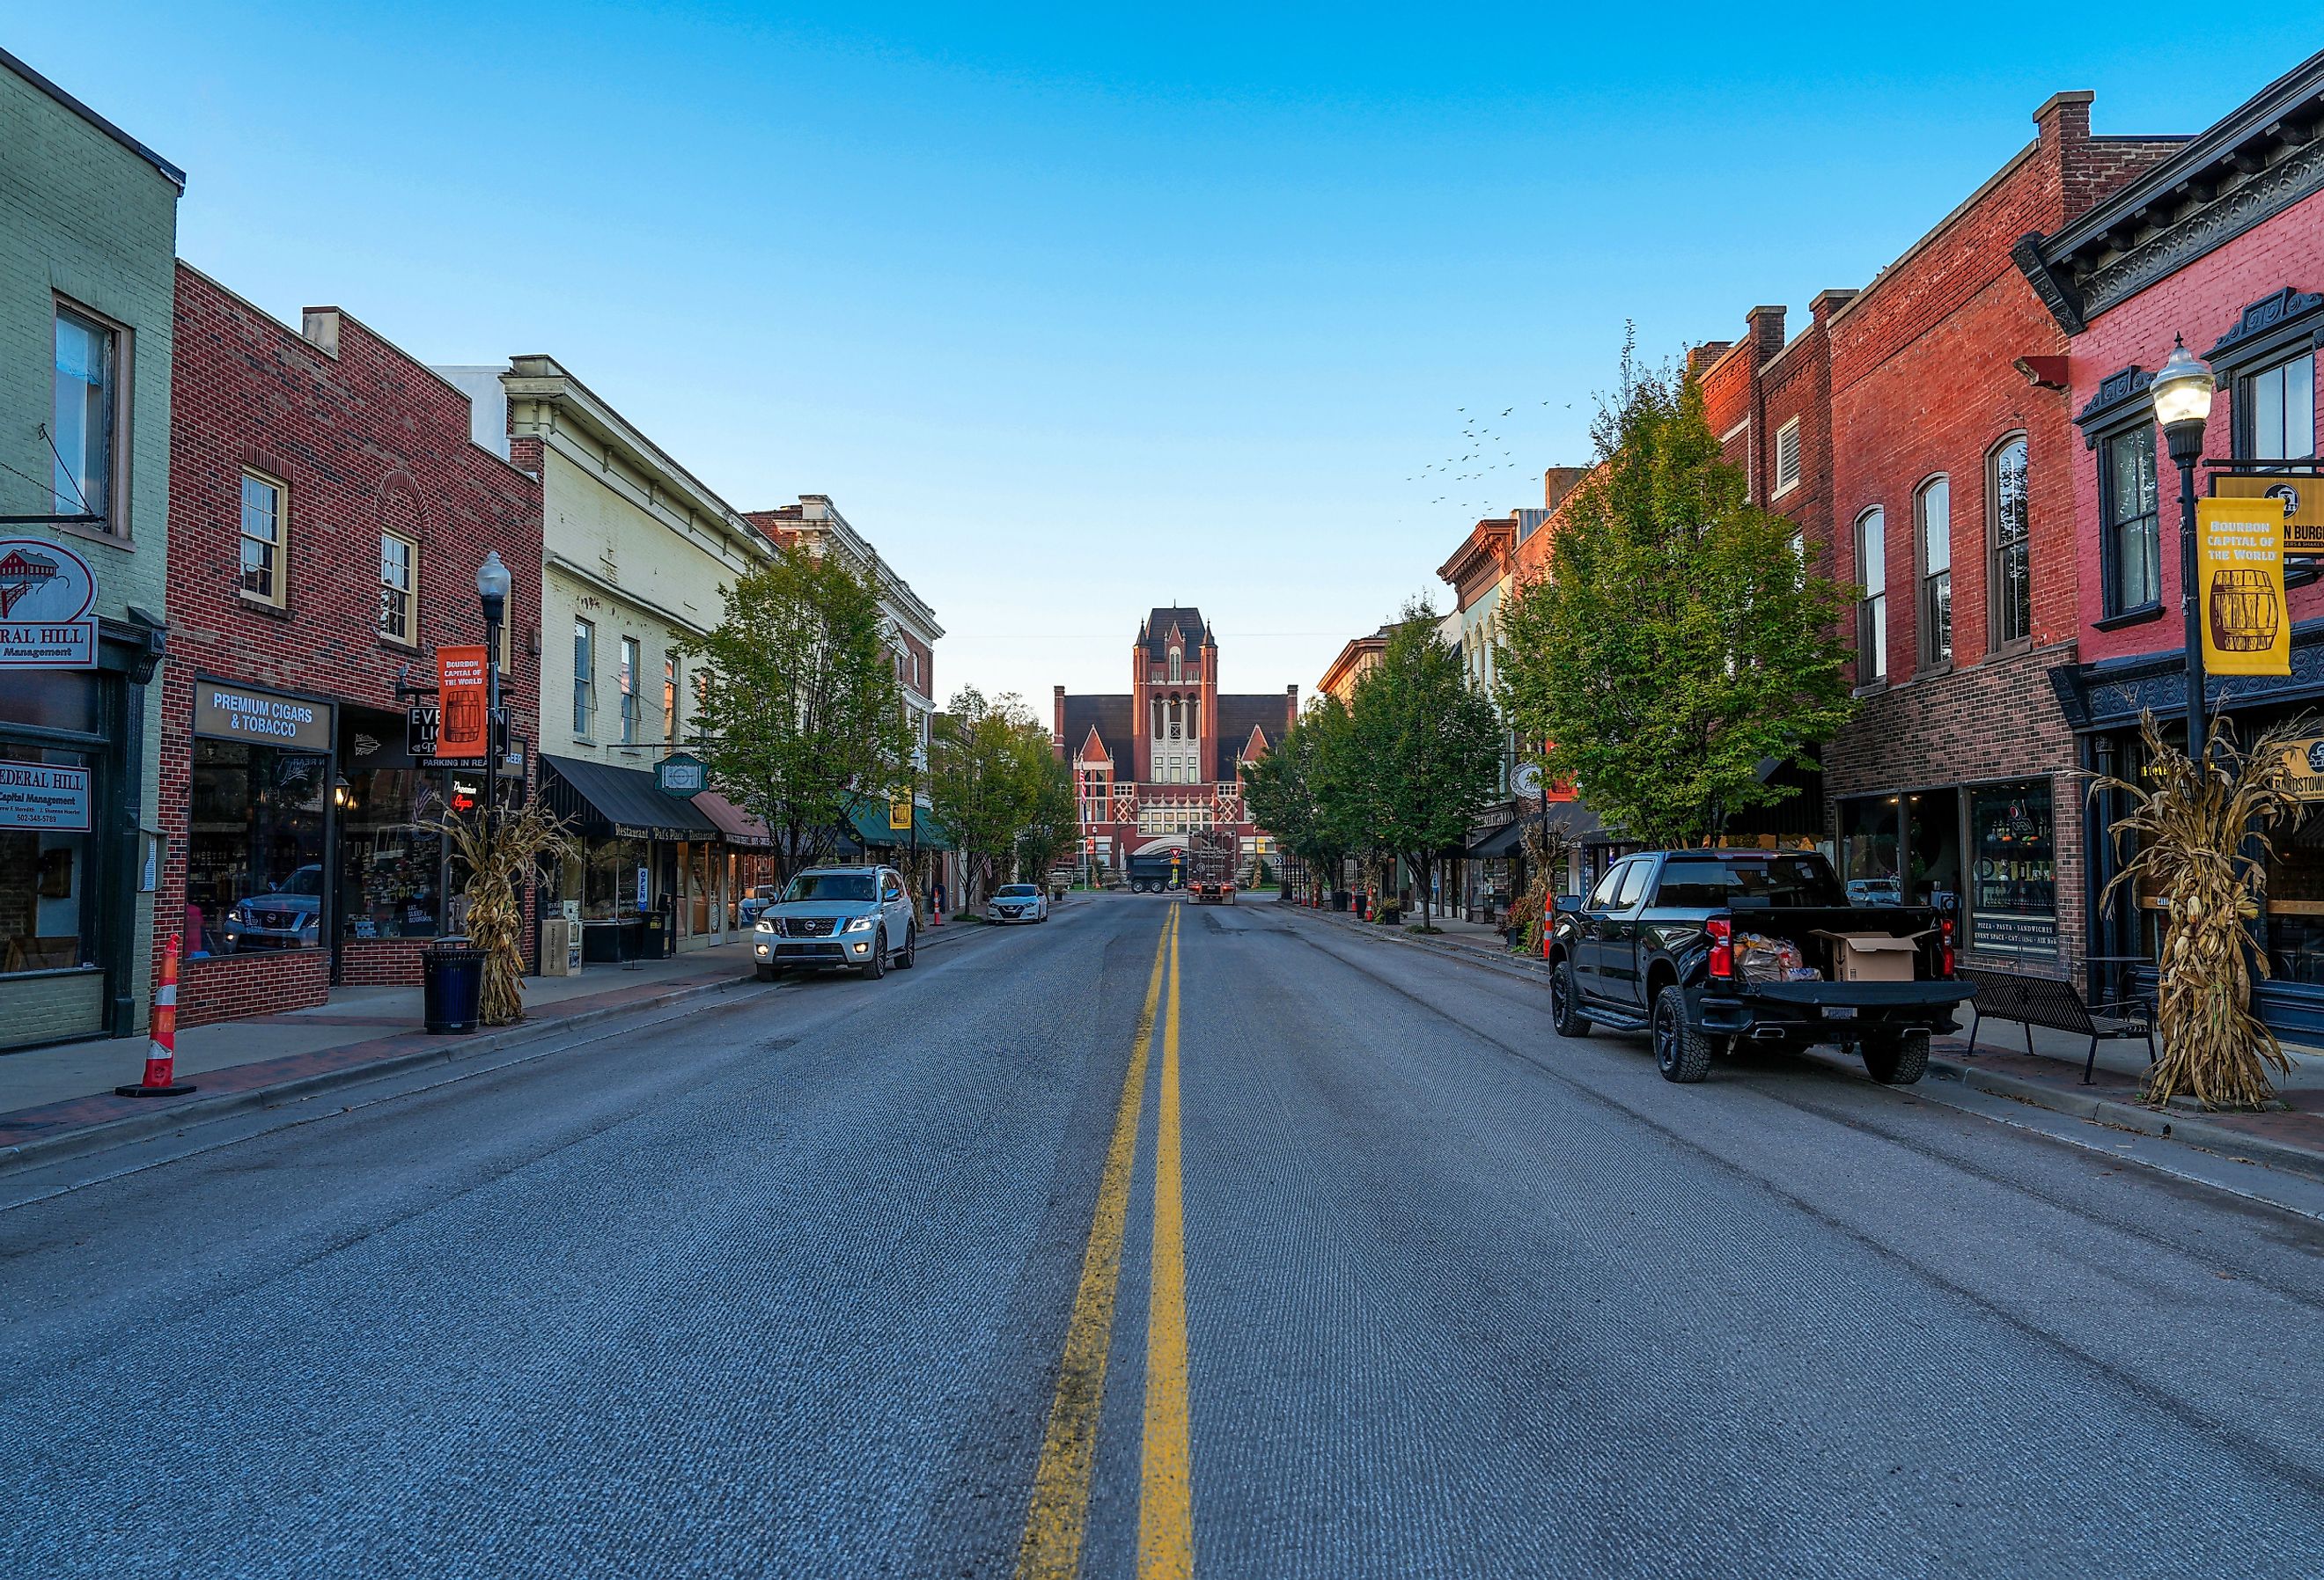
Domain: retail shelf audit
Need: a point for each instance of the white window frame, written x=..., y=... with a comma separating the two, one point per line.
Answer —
x=113, y=512
x=632, y=709
x=1872, y=600
x=1927, y=574
x=1787, y=437
x=584, y=679
x=409, y=594
x=280, y=564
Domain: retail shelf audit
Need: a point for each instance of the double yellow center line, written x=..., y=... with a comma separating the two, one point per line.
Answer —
x=1054, y=1523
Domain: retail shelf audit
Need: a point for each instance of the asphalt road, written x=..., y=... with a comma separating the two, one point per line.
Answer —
x=876, y=1278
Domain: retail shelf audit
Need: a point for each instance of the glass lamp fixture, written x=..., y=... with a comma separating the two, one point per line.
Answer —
x=492, y=581
x=2181, y=393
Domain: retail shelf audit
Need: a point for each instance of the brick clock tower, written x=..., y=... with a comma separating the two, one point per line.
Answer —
x=1160, y=764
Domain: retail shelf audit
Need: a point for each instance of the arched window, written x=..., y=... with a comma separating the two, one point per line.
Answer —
x=1174, y=660
x=1933, y=544
x=2009, y=535
x=1872, y=602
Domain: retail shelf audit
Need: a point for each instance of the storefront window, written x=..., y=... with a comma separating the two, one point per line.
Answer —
x=255, y=848
x=1932, y=847
x=45, y=803
x=2295, y=906
x=2013, y=890
x=697, y=858
x=609, y=879
x=1871, y=847
x=392, y=862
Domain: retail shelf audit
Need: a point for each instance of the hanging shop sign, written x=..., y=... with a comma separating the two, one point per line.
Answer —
x=462, y=701
x=43, y=795
x=224, y=711
x=2239, y=577
x=899, y=813
x=2303, y=499
x=46, y=593
x=681, y=775
x=419, y=726
x=2305, y=760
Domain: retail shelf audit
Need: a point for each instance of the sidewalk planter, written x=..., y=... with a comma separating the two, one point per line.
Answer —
x=451, y=986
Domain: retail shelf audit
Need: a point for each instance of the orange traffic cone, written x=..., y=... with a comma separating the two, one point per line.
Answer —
x=161, y=1052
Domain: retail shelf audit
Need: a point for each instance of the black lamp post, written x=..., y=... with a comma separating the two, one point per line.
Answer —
x=2181, y=393
x=492, y=590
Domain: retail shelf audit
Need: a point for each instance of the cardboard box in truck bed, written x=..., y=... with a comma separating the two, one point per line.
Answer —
x=1872, y=956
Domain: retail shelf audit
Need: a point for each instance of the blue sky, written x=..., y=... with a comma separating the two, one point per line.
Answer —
x=1074, y=314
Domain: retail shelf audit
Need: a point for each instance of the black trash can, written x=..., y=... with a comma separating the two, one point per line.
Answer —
x=451, y=985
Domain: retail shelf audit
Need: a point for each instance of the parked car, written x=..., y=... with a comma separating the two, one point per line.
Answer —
x=756, y=901
x=1876, y=891
x=856, y=918
x=1016, y=902
x=288, y=918
x=1708, y=949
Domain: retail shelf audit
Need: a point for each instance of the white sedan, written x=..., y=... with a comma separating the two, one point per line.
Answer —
x=1018, y=902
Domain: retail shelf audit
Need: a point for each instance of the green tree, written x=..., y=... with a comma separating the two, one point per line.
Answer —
x=1299, y=792
x=800, y=715
x=995, y=784
x=1679, y=642
x=1052, y=826
x=1423, y=750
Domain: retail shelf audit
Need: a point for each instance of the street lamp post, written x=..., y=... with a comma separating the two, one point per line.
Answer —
x=492, y=590
x=2181, y=393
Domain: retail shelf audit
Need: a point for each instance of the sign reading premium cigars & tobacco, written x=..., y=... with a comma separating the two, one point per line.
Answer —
x=2240, y=582
x=224, y=711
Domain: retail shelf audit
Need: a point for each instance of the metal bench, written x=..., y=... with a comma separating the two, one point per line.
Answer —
x=2045, y=1000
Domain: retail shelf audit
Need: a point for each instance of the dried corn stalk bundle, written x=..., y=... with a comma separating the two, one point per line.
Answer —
x=498, y=852
x=1548, y=852
x=2202, y=832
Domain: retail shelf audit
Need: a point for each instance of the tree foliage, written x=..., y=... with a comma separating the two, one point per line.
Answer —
x=800, y=714
x=1402, y=771
x=1680, y=643
x=995, y=783
x=1425, y=748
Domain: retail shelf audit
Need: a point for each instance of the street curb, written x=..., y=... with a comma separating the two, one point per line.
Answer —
x=2193, y=1129
x=2188, y=1129
x=1506, y=964
x=199, y=1109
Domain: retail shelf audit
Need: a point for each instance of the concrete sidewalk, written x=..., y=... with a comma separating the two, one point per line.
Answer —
x=2290, y=1136
x=53, y=1096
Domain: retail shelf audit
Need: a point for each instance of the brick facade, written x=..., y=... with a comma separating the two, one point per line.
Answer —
x=1934, y=369
x=361, y=437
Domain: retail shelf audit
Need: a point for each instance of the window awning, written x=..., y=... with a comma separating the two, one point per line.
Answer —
x=867, y=826
x=739, y=827
x=1578, y=822
x=620, y=803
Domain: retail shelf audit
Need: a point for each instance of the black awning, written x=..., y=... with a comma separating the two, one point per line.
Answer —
x=618, y=802
x=1506, y=840
x=1579, y=824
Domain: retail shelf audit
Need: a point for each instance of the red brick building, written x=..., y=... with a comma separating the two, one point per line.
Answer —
x=328, y=512
x=1952, y=458
x=1158, y=766
x=2221, y=244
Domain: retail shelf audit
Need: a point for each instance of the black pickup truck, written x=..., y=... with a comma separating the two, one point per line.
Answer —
x=1707, y=950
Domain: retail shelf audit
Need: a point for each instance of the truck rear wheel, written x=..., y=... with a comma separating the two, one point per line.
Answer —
x=1896, y=1058
x=1681, y=1053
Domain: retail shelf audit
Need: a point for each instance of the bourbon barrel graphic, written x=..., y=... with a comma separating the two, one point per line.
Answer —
x=2245, y=612
x=464, y=714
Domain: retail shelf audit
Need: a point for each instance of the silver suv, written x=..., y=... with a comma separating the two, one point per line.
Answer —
x=855, y=917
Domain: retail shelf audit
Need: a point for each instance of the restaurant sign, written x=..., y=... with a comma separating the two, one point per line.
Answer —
x=681, y=775
x=43, y=795
x=46, y=593
x=2303, y=499
x=2305, y=759
x=224, y=711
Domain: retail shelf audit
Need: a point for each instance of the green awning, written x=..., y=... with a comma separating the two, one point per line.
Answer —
x=868, y=827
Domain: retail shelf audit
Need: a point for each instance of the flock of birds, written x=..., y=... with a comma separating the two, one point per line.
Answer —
x=1479, y=441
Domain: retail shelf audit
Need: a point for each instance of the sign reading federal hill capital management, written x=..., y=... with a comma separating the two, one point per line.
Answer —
x=2240, y=575
x=224, y=711
x=43, y=795
x=46, y=593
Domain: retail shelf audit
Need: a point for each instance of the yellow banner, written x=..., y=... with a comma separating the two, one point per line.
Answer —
x=899, y=810
x=2239, y=574
x=2303, y=499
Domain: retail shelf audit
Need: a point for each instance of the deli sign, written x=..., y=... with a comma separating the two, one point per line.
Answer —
x=46, y=593
x=224, y=711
